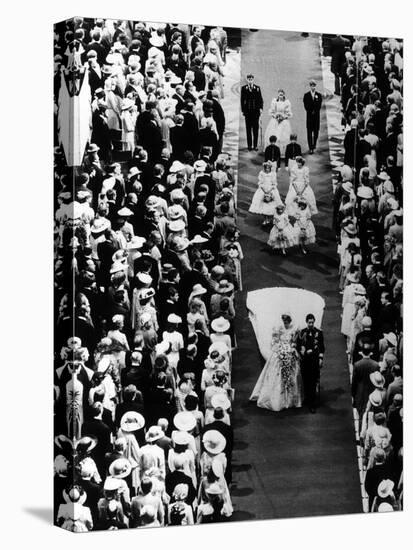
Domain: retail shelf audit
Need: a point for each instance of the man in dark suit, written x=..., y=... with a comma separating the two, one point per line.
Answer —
x=312, y=104
x=366, y=338
x=96, y=46
x=376, y=474
x=178, y=477
x=179, y=138
x=97, y=428
x=179, y=97
x=361, y=385
x=338, y=47
x=312, y=352
x=251, y=107
x=94, y=72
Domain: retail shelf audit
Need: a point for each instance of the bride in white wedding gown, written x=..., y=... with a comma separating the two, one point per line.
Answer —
x=279, y=124
x=279, y=385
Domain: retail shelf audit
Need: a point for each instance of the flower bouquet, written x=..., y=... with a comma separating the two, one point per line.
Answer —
x=287, y=364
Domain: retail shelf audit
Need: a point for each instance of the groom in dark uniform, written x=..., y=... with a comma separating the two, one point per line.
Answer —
x=312, y=104
x=311, y=347
x=251, y=107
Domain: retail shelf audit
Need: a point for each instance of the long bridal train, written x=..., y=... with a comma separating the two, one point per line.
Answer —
x=277, y=316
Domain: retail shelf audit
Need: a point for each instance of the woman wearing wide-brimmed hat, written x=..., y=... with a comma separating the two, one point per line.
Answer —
x=150, y=455
x=212, y=511
x=196, y=316
x=385, y=495
x=181, y=441
x=220, y=327
x=215, y=475
x=72, y=515
x=213, y=443
x=131, y=424
x=356, y=324
x=179, y=512
x=379, y=437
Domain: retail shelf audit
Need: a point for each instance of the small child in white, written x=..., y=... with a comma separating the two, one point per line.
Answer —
x=305, y=230
x=266, y=197
x=282, y=235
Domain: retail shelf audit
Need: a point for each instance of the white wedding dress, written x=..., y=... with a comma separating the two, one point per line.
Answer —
x=279, y=385
x=279, y=128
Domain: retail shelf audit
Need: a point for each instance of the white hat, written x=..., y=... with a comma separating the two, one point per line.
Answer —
x=200, y=165
x=120, y=468
x=214, y=489
x=214, y=442
x=136, y=243
x=391, y=338
x=177, y=194
x=383, y=176
x=174, y=319
x=393, y=203
x=146, y=293
x=180, y=437
x=126, y=104
x=176, y=166
x=385, y=488
x=198, y=290
x=220, y=400
x=176, y=225
x=132, y=421
x=153, y=434
x=377, y=379
x=184, y=421
x=176, y=211
x=198, y=239
x=385, y=507
x=144, y=278
x=220, y=324
x=118, y=266
x=111, y=484
x=134, y=170
x=74, y=496
x=156, y=40
x=347, y=186
x=376, y=398
x=125, y=212
x=181, y=244
x=99, y=225
x=152, y=201
x=87, y=469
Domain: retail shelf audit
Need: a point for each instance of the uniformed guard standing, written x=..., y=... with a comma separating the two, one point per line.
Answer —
x=251, y=107
x=311, y=346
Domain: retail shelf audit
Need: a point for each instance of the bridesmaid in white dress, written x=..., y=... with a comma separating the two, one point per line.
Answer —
x=300, y=187
x=279, y=124
x=280, y=385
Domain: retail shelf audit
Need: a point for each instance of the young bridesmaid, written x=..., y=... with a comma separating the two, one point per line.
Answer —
x=282, y=233
x=304, y=226
x=266, y=197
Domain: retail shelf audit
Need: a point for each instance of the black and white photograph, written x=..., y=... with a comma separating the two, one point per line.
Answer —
x=204, y=308
x=228, y=274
